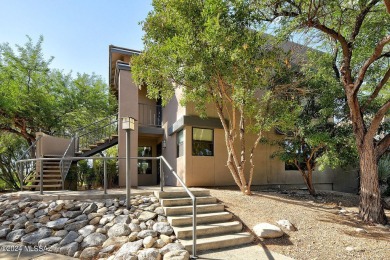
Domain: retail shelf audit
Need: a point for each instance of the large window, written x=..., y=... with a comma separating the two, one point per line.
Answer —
x=202, y=142
x=179, y=144
x=144, y=166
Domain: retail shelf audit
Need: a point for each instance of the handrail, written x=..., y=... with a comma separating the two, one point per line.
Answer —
x=65, y=169
x=29, y=148
x=193, y=198
x=94, y=123
x=161, y=158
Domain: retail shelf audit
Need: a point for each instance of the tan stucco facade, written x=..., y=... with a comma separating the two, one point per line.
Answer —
x=206, y=170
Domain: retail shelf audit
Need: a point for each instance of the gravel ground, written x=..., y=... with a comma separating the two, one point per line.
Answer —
x=328, y=227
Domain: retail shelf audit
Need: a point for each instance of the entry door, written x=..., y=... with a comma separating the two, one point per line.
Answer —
x=158, y=153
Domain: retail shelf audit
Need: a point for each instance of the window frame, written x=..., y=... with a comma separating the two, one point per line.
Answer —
x=212, y=141
x=178, y=155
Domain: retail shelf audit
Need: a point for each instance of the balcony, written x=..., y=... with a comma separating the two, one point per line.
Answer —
x=149, y=115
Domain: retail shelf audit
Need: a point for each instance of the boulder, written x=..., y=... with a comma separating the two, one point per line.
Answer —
x=266, y=230
x=76, y=225
x=147, y=232
x=87, y=230
x=163, y=228
x=69, y=249
x=45, y=242
x=57, y=224
x=95, y=239
x=69, y=238
x=118, y=230
x=149, y=241
x=171, y=247
x=146, y=215
x=284, y=223
x=34, y=237
x=177, y=255
x=15, y=235
x=150, y=253
x=128, y=250
x=89, y=253
x=116, y=241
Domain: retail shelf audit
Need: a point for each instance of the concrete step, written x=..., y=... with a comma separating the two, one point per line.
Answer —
x=185, y=220
x=187, y=201
x=44, y=186
x=185, y=210
x=51, y=163
x=47, y=180
x=209, y=229
x=92, y=146
x=180, y=194
x=49, y=167
x=221, y=241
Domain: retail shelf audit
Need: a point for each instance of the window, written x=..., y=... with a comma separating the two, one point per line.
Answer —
x=202, y=142
x=179, y=144
x=144, y=166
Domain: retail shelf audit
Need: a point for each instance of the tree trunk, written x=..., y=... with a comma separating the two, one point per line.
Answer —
x=370, y=206
x=308, y=177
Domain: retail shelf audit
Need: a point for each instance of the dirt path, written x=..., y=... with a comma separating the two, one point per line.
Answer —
x=327, y=225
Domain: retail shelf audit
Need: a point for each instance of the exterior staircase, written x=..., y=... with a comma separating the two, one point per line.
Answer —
x=215, y=226
x=51, y=176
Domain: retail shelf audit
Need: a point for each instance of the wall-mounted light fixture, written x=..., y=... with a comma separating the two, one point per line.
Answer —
x=164, y=144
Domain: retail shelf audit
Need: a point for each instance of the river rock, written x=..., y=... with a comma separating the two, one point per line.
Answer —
x=134, y=227
x=89, y=253
x=71, y=214
x=163, y=228
x=4, y=232
x=55, y=216
x=150, y=253
x=91, y=208
x=128, y=250
x=76, y=225
x=266, y=230
x=145, y=233
x=94, y=221
x=69, y=238
x=57, y=224
x=284, y=223
x=69, y=249
x=171, y=247
x=61, y=233
x=15, y=235
x=148, y=241
x=95, y=239
x=122, y=219
x=146, y=215
x=31, y=228
x=87, y=230
x=45, y=242
x=116, y=241
x=177, y=255
x=118, y=230
x=34, y=237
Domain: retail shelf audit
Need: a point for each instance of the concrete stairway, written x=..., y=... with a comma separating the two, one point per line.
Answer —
x=51, y=176
x=215, y=227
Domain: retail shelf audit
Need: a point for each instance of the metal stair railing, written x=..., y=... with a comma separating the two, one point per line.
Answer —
x=65, y=163
x=95, y=132
x=162, y=182
x=28, y=168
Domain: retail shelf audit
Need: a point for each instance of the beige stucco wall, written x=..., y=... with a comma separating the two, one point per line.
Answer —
x=50, y=145
x=128, y=106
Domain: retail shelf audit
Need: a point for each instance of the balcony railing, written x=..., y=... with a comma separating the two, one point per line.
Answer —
x=149, y=115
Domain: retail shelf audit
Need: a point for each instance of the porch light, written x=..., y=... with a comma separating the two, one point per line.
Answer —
x=164, y=144
x=128, y=123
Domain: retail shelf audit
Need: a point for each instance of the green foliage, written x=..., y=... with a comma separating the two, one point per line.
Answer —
x=34, y=97
x=384, y=170
x=11, y=148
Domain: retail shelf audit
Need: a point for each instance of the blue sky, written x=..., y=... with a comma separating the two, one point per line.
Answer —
x=76, y=32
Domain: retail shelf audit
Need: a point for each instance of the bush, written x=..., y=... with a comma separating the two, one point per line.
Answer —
x=384, y=173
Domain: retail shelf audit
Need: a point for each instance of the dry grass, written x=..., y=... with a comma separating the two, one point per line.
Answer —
x=323, y=232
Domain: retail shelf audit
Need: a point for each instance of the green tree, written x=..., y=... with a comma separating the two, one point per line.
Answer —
x=357, y=33
x=210, y=50
x=34, y=97
x=11, y=148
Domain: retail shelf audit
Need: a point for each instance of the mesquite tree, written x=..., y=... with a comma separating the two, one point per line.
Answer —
x=357, y=32
x=212, y=51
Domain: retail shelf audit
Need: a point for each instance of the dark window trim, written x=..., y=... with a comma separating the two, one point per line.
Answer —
x=177, y=143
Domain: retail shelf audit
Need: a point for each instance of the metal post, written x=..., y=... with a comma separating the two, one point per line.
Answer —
x=41, y=177
x=105, y=175
x=161, y=175
x=128, y=179
x=194, y=228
